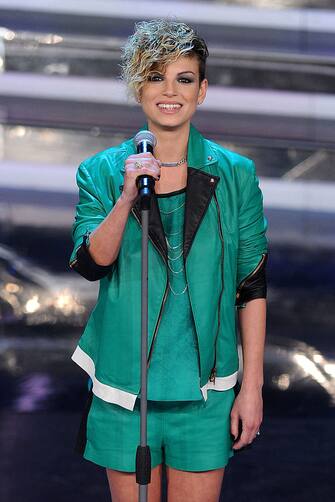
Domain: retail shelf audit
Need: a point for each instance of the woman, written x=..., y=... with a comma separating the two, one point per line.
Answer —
x=207, y=256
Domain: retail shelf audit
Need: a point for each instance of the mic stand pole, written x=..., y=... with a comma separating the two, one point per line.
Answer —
x=143, y=456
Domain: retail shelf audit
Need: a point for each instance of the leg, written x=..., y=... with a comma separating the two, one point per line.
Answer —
x=198, y=447
x=123, y=486
x=194, y=486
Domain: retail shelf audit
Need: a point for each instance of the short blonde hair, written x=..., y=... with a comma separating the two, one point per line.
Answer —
x=153, y=45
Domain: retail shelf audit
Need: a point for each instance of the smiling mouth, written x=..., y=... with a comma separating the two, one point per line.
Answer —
x=169, y=107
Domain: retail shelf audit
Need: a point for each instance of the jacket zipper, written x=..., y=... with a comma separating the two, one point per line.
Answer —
x=74, y=261
x=238, y=293
x=213, y=372
x=192, y=310
x=164, y=297
x=158, y=322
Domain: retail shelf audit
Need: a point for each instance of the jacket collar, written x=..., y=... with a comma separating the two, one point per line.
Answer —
x=199, y=191
x=199, y=152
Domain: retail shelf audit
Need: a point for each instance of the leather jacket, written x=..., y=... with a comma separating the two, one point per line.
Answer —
x=225, y=254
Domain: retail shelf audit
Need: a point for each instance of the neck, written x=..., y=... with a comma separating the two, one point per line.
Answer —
x=171, y=143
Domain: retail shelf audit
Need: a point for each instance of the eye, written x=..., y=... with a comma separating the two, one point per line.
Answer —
x=185, y=80
x=155, y=78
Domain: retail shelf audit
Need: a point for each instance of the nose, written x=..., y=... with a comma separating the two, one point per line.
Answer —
x=169, y=88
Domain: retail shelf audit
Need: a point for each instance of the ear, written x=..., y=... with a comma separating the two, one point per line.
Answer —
x=202, y=91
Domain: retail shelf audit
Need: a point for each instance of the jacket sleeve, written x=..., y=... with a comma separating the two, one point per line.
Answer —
x=253, y=245
x=89, y=214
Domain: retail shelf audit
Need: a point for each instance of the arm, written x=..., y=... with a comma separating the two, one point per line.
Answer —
x=99, y=249
x=252, y=324
x=248, y=405
x=105, y=240
x=251, y=302
x=96, y=234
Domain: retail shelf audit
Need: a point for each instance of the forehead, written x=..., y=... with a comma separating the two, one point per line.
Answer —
x=183, y=64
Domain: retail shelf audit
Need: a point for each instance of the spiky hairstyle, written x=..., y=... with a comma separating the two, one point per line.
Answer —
x=153, y=45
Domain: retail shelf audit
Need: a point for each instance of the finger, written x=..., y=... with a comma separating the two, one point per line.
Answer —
x=244, y=440
x=136, y=162
x=140, y=156
x=133, y=159
x=144, y=154
x=234, y=425
x=150, y=164
x=150, y=172
x=150, y=168
x=134, y=172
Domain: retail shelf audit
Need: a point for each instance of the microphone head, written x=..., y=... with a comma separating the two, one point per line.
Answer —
x=147, y=137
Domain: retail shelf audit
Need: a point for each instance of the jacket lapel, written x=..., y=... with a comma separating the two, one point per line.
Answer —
x=156, y=229
x=199, y=191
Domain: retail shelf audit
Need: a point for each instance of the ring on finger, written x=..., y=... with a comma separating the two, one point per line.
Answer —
x=138, y=164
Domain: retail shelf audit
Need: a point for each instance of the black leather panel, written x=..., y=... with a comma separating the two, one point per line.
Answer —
x=255, y=286
x=86, y=266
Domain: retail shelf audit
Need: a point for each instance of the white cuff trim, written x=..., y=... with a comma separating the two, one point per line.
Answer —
x=221, y=383
x=101, y=390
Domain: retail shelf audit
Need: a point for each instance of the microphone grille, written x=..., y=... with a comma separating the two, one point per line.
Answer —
x=145, y=136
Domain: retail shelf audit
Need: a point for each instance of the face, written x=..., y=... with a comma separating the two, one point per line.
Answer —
x=169, y=100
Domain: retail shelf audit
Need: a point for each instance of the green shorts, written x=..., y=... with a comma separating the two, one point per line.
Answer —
x=186, y=435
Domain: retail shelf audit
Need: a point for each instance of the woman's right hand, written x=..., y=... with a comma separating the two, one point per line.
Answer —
x=150, y=166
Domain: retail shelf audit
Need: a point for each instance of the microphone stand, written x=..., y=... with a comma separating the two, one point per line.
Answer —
x=145, y=185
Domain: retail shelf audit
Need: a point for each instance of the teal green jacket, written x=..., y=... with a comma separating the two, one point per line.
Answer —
x=225, y=252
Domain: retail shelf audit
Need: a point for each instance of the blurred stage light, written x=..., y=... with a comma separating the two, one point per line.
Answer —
x=32, y=305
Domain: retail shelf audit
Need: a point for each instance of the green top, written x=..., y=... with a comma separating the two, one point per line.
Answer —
x=173, y=373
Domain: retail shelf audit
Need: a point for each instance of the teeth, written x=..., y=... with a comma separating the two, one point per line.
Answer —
x=169, y=106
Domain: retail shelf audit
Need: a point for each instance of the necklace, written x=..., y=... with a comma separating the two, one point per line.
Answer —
x=173, y=247
x=174, y=164
x=175, y=271
x=176, y=257
x=181, y=292
x=173, y=210
x=174, y=233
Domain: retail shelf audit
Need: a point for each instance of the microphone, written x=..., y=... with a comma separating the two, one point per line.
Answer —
x=145, y=141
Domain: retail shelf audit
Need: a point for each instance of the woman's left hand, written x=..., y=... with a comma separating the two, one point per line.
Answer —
x=247, y=407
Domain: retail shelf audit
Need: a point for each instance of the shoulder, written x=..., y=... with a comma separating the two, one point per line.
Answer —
x=238, y=165
x=107, y=162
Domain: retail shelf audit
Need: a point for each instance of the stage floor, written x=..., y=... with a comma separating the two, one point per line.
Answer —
x=42, y=393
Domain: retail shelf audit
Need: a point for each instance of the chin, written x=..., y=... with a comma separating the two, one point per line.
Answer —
x=171, y=122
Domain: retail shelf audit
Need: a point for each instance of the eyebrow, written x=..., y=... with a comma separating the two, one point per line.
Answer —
x=180, y=73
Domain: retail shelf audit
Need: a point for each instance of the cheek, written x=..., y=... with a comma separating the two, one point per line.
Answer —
x=193, y=101
x=146, y=97
x=193, y=96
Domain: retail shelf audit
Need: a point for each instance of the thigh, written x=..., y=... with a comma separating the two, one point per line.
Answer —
x=113, y=435
x=197, y=435
x=123, y=486
x=194, y=486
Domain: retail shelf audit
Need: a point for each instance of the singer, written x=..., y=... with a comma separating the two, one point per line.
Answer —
x=207, y=258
